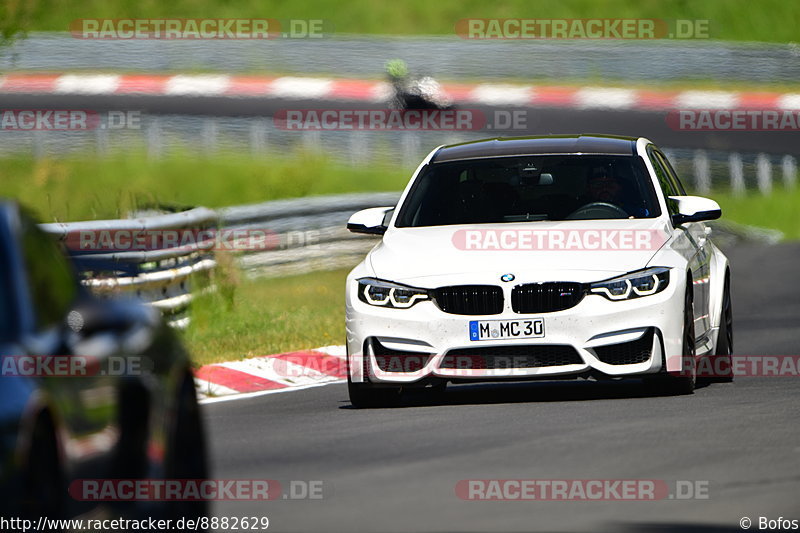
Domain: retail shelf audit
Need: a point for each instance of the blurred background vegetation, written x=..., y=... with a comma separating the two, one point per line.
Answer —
x=740, y=20
x=88, y=187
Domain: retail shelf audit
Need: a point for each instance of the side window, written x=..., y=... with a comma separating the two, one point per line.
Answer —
x=50, y=277
x=666, y=184
x=671, y=174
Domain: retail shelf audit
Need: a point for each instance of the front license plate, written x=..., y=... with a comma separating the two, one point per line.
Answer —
x=482, y=330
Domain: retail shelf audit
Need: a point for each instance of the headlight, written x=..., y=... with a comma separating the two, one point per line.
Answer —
x=640, y=283
x=387, y=294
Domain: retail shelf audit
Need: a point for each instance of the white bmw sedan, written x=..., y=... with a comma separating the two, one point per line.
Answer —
x=553, y=257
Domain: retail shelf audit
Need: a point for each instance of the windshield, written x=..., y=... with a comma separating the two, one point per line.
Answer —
x=530, y=188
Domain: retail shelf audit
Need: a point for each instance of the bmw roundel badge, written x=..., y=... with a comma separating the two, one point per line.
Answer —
x=507, y=277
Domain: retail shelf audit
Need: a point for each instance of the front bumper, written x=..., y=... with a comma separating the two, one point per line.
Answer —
x=435, y=340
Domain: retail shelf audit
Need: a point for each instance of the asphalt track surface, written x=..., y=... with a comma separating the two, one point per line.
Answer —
x=396, y=469
x=539, y=121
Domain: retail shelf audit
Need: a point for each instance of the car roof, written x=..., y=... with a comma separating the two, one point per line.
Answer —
x=537, y=145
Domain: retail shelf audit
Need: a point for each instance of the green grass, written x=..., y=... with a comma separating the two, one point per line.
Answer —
x=252, y=317
x=766, y=20
x=87, y=187
x=778, y=211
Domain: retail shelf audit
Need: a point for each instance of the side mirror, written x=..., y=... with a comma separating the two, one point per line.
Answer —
x=694, y=209
x=372, y=221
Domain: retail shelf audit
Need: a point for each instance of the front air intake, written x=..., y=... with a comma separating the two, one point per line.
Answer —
x=627, y=353
x=509, y=357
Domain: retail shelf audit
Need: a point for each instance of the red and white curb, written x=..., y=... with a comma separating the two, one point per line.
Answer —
x=269, y=374
x=296, y=87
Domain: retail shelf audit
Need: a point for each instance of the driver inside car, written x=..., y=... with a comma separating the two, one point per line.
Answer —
x=605, y=187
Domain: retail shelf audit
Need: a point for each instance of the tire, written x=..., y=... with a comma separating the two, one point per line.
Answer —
x=722, y=358
x=131, y=460
x=367, y=395
x=186, y=457
x=43, y=483
x=682, y=384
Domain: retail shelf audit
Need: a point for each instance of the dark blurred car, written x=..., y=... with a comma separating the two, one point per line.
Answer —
x=131, y=413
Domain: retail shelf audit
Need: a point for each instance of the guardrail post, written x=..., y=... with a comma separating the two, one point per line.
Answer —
x=258, y=138
x=789, y=172
x=411, y=146
x=764, y=174
x=312, y=141
x=702, y=171
x=39, y=148
x=359, y=148
x=101, y=141
x=737, y=174
x=153, y=136
x=209, y=135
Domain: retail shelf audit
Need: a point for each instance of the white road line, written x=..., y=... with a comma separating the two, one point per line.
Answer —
x=291, y=87
x=789, y=101
x=206, y=388
x=707, y=100
x=246, y=395
x=86, y=84
x=200, y=85
x=495, y=94
x=606, y=98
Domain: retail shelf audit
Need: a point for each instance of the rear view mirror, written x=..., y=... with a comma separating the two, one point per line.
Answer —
x=694, y=209
x=372, y=221
x=545, y=179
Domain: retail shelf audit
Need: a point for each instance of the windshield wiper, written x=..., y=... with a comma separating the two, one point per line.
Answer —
x=527, y=217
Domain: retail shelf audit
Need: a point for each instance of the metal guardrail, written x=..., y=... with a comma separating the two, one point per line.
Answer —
x=446, y=57
x=322, y=241
x=161, y=277
x=310, y=235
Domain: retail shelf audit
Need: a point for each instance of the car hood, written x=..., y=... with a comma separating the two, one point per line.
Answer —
x=430, y=256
